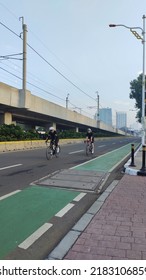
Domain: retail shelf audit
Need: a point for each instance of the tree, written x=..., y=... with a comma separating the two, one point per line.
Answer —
x=136, y=93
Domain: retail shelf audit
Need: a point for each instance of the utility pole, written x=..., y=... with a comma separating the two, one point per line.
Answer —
x=67, y=100
x=24, y=55
x=97, y=106
x=24, y=28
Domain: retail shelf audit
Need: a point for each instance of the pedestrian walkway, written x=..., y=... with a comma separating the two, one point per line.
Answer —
x=115, y=225
x=118, y=230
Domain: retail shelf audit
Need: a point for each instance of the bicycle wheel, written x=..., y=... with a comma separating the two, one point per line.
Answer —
x=87, y=150
x=91, y=149
x=49, y=153
x=57, y=151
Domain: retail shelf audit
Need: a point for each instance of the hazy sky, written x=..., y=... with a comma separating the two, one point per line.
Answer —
x=75, y=51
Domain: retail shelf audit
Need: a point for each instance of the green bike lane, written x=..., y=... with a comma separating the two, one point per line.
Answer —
x=108, y=161
x=26, y=211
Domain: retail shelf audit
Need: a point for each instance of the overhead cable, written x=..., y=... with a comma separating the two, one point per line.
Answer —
x=32, y=84
x=49, y=64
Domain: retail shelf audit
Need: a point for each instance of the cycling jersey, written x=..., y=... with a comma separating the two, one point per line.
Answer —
x=90, y=136
x=53, y=136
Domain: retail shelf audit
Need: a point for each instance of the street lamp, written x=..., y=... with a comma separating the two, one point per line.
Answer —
x=132, y=29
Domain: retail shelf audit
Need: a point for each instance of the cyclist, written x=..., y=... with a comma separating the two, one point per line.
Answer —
x=53, y=136
x=90, y=137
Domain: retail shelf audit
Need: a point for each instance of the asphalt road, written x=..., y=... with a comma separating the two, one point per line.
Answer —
x=20, y=169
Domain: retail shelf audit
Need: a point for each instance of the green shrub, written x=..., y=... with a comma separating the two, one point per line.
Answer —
x=16, y=133
x=68, y=134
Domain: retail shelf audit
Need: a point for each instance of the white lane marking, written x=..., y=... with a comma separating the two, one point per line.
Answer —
x=113, y=143
x=9, y=194
x=10, y=166
x=33, y=237
x=75, y=152
x=101, y=146
x=64, y=210
x=79, y=197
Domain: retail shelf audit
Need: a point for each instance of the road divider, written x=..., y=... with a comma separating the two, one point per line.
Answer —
x=31, y=144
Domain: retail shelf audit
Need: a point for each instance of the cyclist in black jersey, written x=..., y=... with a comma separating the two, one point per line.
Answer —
x=53, y=136
x=90, y=137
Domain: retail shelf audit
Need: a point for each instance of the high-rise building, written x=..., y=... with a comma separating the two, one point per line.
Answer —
x=121, y=120
x=105, y=115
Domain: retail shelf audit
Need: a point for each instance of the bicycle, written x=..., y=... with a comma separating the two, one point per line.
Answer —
x=89, y=147
x=52, y=150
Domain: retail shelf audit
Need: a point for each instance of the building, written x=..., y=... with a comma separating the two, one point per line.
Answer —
x=121, y=120
x=105, y=115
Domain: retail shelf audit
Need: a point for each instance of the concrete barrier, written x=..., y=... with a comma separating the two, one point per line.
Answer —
x=2, y=146
x=32, y=144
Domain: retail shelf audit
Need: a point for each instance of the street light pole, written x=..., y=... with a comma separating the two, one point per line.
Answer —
x=132, y=29
x=143, y=84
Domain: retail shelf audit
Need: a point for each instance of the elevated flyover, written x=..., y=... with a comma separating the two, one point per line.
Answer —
x=19, y=107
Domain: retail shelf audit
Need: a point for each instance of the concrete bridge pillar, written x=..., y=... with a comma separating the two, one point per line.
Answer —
x=53, y=124
x=7, y=118
x=77, y=129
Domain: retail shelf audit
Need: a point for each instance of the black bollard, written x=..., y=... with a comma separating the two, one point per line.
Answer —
x=142, y=171
x=132, y=155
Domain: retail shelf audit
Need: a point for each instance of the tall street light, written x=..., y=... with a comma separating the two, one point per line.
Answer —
x=132, y=29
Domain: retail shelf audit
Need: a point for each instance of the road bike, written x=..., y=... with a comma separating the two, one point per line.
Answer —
x=52, y=150
x=89, y=147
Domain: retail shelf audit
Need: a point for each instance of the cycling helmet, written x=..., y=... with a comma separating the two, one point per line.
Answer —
x=51, y=128
x=89, y=130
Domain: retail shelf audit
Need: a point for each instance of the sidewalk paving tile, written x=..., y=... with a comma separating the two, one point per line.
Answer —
x=118, y=229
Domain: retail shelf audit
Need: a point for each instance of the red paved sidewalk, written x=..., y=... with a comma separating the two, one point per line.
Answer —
x=118, y=230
